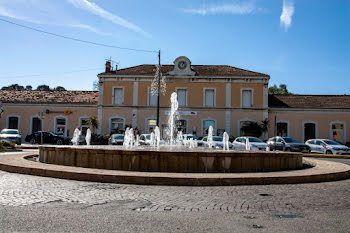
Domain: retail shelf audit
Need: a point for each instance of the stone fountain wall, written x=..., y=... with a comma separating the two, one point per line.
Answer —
x=193, y=161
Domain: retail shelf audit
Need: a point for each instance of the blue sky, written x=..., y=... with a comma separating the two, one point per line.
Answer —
x=304, y=44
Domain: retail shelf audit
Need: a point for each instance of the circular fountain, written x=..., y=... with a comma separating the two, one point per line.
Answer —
x=171, y=158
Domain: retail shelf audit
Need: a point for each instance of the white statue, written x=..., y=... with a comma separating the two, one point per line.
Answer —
x=88, y=136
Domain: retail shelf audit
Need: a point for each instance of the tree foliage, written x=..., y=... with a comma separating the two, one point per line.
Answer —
x=281, y=90
x=17, y=87
x=255, y=129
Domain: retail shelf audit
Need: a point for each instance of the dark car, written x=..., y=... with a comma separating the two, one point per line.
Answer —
x=48, y=138
x=287, y=144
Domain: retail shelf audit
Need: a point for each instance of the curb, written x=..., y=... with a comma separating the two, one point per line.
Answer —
x=327, y=156
x=321, y=172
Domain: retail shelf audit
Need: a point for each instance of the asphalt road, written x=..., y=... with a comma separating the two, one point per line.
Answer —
x=41, y=204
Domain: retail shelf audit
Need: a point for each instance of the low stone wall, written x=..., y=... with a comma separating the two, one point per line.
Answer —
x=192, y=161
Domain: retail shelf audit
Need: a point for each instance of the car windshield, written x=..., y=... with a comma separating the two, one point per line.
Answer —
x=217, y=139
x=291, y=140
x=191, y=136
x=118, y=137
x=53, y=134
x=254, y=140
x=330, y=142
x=9, y=132
x=148, y=137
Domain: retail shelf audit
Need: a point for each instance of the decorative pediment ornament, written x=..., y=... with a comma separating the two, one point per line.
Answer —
x=182, y=67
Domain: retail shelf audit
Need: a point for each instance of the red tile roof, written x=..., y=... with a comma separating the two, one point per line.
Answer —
x=205, y=70
x=81, y=97
x=309, y=101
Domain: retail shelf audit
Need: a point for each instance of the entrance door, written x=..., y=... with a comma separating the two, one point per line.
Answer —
x=309, y=131
x=36, y=124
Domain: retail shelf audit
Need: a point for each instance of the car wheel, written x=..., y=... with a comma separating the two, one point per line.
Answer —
x=59, y=142
x=32, y=141
x=328, y=152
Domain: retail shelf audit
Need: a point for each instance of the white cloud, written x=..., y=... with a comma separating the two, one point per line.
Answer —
x=95, y=9
x=240, y=8
x=287, y=13
x=10, y=14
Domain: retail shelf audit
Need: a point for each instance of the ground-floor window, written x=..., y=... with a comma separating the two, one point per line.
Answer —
x=36, y=124
x=84, y=125
x=13, y=122
x=60, y=126
x=181, y=125
x=338, y=132
x=117, y=125
x=282, y=129
x=244, y=130
x=151, y=125
x=206, y=125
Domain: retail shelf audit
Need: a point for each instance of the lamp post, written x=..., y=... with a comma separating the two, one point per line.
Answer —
x=158, y=85
x=41, y=117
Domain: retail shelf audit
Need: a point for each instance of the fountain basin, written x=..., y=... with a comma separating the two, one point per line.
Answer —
x=169, y=159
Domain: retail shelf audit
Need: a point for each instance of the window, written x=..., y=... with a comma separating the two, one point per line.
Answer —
x=181, y=125
x=182, y=97
x=244, y=129
x=36, y=124
x=206, y=124
x=61, y=126
x=117, y=125
x=282, y=129
x=209, y=97
x=152, y=99
x=84, y=125
x=13, y=122
x=247, y=98
x=337, y=132
x=118, y=96
x=151, y=125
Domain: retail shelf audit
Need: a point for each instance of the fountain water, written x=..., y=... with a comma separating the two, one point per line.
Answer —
x=88, y=137
x=76, y=135
x=225, y=140
x=157, y=136
x=171, y=121
x=210, y=136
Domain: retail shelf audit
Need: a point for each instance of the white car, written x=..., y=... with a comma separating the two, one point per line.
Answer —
x=116, y=139
x=217, y=142
x=255, y=143
x=12, y=135
x=326, y=146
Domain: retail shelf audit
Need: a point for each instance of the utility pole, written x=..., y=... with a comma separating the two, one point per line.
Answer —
x=158, y=92
x=1, y=109
x=41, y=117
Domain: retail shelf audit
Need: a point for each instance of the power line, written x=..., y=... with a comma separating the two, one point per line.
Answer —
x=76, y=39
x=35, y=75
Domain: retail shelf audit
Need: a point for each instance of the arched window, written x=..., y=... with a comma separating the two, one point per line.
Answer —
x=117, y=125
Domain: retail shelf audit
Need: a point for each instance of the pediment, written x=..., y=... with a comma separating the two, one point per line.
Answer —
x=182, y=67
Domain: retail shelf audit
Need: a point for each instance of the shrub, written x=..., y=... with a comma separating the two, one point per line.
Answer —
x=6, y=145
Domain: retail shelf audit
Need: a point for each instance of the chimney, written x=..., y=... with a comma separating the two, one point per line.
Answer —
x=108, y=67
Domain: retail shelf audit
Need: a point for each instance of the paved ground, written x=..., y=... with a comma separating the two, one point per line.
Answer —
x=40, y=204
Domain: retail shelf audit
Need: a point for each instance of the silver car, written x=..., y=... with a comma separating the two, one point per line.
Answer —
x=12, y=135
x=255, y=143
x=326, y=146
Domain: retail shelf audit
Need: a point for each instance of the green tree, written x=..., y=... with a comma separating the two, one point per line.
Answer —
x=59, y=88
x=43, y=88
x=281, y=90
x=93, y=122
x=13, y=87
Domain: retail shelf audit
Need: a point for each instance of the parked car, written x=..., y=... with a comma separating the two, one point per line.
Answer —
x=145, y=139
x=217, y=142
x=116, y=139
x=287, y=144
x=326, y=146
x=12, y=135
x=255, y=143
x=48, y=138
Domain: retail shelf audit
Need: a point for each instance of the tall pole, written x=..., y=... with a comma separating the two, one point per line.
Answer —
x=158, y=92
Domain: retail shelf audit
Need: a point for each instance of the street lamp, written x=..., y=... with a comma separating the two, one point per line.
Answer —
x=158, y=85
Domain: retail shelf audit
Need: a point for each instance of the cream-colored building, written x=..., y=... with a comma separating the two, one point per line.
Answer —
x=223, y=96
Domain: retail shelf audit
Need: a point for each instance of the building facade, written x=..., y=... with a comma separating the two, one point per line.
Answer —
x=221, y=96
